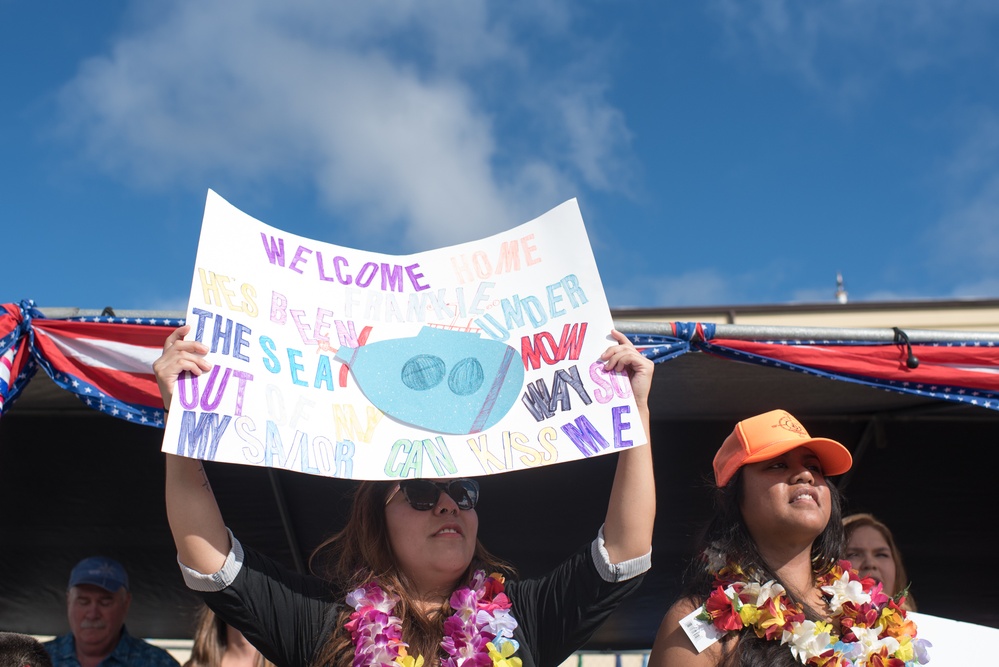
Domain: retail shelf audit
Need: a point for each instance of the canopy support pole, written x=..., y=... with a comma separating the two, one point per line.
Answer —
x=765, y=332
x=289, y=530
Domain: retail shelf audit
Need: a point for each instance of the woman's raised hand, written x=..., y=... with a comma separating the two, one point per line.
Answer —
x=179, y=355
x=625, y=357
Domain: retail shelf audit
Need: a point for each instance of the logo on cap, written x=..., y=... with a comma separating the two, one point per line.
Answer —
x=789, y=423
x=100, y=571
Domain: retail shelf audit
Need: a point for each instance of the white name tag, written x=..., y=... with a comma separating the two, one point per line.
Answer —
x=701, y=633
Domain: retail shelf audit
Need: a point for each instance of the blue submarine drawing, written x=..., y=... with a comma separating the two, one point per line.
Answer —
x=440, y=380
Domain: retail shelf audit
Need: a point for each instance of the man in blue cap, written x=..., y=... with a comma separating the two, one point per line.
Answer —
x=97, y=600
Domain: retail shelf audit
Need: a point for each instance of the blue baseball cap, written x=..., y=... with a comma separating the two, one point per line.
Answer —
x=100, y=571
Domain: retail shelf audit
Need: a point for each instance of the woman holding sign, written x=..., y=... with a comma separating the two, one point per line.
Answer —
x=407, y=582
x=767, y=587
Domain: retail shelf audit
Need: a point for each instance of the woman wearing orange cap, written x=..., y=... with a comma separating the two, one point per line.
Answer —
x=766, y=588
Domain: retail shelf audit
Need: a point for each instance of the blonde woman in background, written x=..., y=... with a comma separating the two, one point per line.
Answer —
x=871, y=550
x=219, y=645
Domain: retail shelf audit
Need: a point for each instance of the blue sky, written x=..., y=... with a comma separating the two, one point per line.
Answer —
x=722, y=152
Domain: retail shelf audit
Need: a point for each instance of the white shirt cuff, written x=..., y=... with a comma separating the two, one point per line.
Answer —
x=210, y=583
x=612, y=572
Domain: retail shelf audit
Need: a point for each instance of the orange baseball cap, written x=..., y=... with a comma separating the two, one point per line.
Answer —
x=769, y=435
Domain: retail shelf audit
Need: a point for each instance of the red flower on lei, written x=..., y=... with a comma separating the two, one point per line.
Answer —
x=722, y=611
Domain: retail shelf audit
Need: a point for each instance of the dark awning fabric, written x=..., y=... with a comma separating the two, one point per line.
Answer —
x=75, y=481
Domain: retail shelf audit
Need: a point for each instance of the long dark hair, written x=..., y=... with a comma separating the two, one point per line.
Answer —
x=362, y=553
x=19, y=650
x=727, y=536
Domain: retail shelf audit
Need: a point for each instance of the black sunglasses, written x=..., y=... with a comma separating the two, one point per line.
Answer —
x=422, y=494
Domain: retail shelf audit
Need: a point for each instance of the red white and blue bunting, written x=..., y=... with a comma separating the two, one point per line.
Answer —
x=957, y=371
x=105, y=361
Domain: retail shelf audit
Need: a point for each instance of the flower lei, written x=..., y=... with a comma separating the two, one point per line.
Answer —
x=868, y=627
x=479, y=634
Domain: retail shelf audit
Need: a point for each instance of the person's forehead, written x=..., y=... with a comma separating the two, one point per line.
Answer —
x=869, y=533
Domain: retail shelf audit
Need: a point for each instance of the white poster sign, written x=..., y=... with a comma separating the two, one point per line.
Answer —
x=955, y=643
x=474, y=359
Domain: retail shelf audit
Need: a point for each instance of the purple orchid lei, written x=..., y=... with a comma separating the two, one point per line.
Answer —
x=478, y=634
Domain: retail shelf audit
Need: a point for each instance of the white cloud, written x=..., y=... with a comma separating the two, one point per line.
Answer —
x=390, y=110
x=773, y=282
x=813, y=295
x=845, y=52
x=985, y=288
x=963, y=245
x=978, y=157
x=595, y=132
x=968, y=237
x=841, y=49
x=157, y=302
x=692, y=288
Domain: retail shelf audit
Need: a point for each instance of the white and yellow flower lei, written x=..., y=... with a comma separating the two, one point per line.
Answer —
x=868, y=628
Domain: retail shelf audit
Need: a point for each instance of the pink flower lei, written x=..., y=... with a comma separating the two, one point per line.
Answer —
x=478, y=634
x=868, y=627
